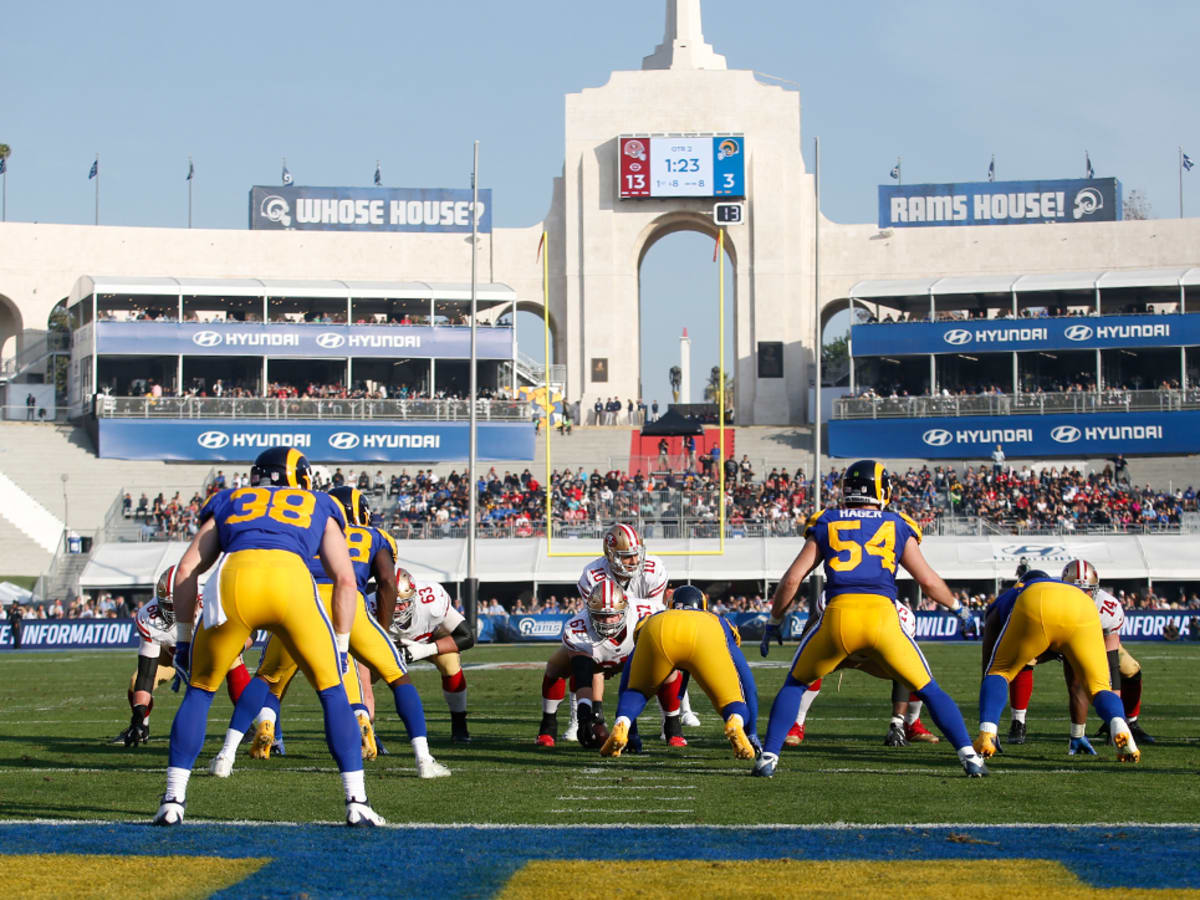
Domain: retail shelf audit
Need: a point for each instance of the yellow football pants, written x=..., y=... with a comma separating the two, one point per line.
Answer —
x=687, y=640
x=369, y=643
x=1053, y=616
x=869, y=626
x=269, y=589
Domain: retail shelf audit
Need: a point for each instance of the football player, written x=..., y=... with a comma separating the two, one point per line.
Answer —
x=861, y=544
x=372, y=555
x=690, y=639
x=427, y=626
x=643, y=583
x=1038, y=615
x=268, y=531
x=156, y=624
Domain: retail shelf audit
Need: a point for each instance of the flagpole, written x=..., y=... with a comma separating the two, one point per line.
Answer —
x=472, y=605
x=97, y=222
x=817, y=303
x=1181, y=181
x=189, y=181
x=899, y=171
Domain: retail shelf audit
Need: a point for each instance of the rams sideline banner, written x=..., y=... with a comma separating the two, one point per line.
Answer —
x=308, y=341
x=974, y=437
x=1007, y=335
x=1000, y=202
x=339, y=441
x=431, y=210
x=99, y=634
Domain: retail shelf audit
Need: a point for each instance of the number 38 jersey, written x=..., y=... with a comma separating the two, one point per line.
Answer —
x=363, y=544
x=861, y=548
x=272, y=518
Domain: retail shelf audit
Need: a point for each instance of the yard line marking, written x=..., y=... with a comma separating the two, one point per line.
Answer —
x=634, y=787
x=559, y=826
x=612, y=799
x=607, y=811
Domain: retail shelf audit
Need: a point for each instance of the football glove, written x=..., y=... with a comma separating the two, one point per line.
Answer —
x=589, y=719
x=182, y=661
x=771, y=631
x=417, y=650
x=967, y=621
x=138, y=731
x=1081, y=745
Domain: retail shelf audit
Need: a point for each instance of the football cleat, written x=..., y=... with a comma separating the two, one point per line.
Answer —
x=572, y=732
x=428, y=767
x=360, y=815
x=689, y=720
x=895, y=736
x=369, y=748
x=544, y=740
x=221, y=766
x=278, y=749
x=1127, y=749
x=985, y=745
x=795, y=736
x=458, y=728
x=170, y=811
x=735, y=733
x=1016, y=732
x=764, y=766
x=383, y=751
x=677, y=740
x=1135, y=729
x=264, y=738
x=974, y=767
x=618, y=738
x=917, y=733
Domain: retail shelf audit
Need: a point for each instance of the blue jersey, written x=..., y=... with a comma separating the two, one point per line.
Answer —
x=271, y=518
x=861, y=548
x=364, y=544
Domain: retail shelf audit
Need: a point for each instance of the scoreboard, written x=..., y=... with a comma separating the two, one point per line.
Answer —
x=682, y=166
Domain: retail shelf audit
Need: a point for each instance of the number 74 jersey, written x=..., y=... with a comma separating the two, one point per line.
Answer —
x=861, y=548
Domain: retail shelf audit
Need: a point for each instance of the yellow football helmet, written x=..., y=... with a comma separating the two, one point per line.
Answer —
x=354, y=504
x=624, y=550
x=607, y=606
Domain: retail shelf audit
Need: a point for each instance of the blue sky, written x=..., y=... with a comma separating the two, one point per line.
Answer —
x=336, y=87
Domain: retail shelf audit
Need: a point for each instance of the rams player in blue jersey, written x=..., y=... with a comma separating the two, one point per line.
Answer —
x=1040, y=615
x=267, y=531
x=861, y=544
x=692, y=640
x=372, y=556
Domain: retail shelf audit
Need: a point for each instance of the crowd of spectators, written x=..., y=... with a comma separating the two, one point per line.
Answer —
x=1029, y=312
x=333, y=316
x=100, y=605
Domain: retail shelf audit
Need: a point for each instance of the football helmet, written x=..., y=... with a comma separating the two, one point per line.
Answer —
x=406, y=592
x=354, y=503
x=1083, y=575
x=607, y=606
x=689, y=597
x=866, y=481
x=624, y=550
x=281, y=467
x=164, y=592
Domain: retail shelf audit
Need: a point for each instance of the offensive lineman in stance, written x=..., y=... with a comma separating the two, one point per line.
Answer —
x=268, y=531
x=690, y=639
x=1037, y=615
x=860, y=545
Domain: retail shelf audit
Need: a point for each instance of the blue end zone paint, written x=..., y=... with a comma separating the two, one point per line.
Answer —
x=333, y=860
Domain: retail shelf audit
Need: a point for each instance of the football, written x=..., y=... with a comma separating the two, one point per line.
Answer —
x=599, y=733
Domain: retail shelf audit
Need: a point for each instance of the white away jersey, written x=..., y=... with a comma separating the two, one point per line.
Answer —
x=431, y=607
x=153, y=628
x=651, y=583
x=580, y=637
x=1112, y=617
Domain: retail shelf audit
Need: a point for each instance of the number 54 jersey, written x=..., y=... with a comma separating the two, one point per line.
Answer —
x=860, y=548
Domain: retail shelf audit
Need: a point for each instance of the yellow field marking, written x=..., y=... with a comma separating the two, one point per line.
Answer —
x=770, y=879
x=55, y=875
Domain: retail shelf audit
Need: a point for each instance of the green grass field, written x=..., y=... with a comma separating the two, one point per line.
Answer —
x=59, y=710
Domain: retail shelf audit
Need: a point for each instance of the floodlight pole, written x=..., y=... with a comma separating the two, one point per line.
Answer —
x=472, y=602
x=817, y=303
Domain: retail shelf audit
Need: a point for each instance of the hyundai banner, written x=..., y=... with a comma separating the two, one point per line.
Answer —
x=430, y=210
x=975, y=437
x=340, y=441
x=1006, y=335
x=308, y=341
x=1066, y=200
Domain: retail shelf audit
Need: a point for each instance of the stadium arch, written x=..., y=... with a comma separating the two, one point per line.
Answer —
x=11, y=328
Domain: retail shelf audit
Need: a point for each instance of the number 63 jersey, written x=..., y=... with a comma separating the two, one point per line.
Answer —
x=860, y=548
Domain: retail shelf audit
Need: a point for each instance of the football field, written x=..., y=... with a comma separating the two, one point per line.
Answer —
x=62, y=783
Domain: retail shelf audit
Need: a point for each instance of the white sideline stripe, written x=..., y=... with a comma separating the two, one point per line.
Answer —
x=632, y=787
x=595, y=812
x=612, y=800
x=560, y=826
x=941, y=770
x=29, y=516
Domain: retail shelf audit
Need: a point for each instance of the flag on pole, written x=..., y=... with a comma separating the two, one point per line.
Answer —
x=378, y=174
x=94, y=170
x=541, y=244
x=1187, y=162
x=3, y=165
x=1088, y=171
x=287, y=176
x=191, y=170
x=717, y=245
x=895, y=173
x=992, y=169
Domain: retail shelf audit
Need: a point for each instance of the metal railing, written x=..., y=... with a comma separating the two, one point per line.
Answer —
x=305, y=408
x=1107, y=401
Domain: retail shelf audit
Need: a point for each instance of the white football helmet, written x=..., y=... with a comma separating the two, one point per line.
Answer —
x=406, y=592
x=624, y=550
x=607, y=606
x=1083, y=575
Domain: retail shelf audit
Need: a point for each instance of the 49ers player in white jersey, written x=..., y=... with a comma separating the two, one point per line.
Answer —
x=597, y=638
x=427, y=626
x=156, y=652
